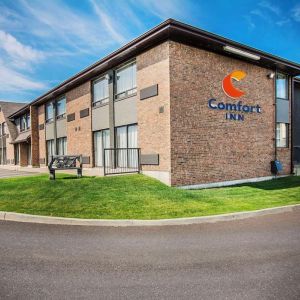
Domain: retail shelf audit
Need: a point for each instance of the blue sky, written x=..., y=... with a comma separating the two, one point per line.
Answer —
x=45, y=42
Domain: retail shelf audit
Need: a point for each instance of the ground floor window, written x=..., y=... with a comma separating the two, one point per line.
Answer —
x=49, y=149
x=101, y=142
x=282, y=133
x=62, y=146
x=126, y=137
x=17, y=154
x=29, y=154
x=2, y=156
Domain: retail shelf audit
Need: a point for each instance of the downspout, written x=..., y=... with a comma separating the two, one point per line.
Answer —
x=292, y=123
x=275, y=115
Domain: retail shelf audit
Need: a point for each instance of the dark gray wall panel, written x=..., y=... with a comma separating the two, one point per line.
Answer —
x=70, y=117
x=100, y=118
x=148, y=92
x=283, y=111
x=150, y=159
x=85, y=159
x=84, y=113
x=126, y=111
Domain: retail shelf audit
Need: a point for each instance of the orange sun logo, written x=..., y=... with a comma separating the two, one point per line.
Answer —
x=228, y=87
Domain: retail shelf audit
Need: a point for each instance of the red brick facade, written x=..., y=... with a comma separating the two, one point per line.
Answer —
x=205, y=147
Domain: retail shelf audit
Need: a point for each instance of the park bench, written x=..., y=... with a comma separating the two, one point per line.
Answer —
x=65, y=162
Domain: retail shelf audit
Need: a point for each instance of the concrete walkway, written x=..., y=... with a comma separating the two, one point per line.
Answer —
x=8, y=173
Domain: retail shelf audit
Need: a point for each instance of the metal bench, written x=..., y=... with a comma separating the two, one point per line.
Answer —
x=65, y=162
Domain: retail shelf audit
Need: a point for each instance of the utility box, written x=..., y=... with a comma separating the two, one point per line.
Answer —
x=276, y=166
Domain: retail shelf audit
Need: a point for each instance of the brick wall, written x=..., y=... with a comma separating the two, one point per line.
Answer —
x=153, y=126
x=79, y=131
x=23, y=154
x=34, y=119
x=205, y=147
x=42, y=136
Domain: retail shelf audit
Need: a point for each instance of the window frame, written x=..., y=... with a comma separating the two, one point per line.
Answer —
x=63, y=115
x=129, y=92
x=49, y=120
x=286, y=145
x=287, y=86
x=103, y=101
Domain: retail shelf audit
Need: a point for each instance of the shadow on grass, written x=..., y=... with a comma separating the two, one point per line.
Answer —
x=275, y=184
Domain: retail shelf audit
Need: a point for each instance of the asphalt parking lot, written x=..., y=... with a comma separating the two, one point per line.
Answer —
x=256, y=258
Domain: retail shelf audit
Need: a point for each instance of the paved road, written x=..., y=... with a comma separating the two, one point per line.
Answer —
x=6, y=173
x=257, y=258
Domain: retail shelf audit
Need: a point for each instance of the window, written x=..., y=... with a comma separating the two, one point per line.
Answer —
x=282, y=86
x=282, y=135
x=126, y=137
x=62, y=146
x=61, y=108
x=101, y=142
x=28, y=121
x=3, y=129
x=126, y=81
x=100, y=91
x=49, y=112
x=50, y=150
x=23, y=124
x=17, y=154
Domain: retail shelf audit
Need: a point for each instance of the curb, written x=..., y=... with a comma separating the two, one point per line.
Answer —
x=18, y=217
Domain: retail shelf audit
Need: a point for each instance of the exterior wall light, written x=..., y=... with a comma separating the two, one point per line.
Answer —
x=271, y=75
x=241, y=52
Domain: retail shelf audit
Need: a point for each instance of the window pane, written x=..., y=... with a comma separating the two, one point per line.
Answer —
x=101, y=142
x=49, y=112
x=281, y=86
x=126, y=78
x=281, y=135
x=100, y=90
x=50, y=150
x=61, y=107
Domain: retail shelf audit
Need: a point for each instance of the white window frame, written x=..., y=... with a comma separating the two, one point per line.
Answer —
x=282, y=139
x=104, y=100
x=130, y=91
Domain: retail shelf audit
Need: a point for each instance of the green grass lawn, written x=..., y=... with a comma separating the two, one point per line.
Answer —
x=137, y=197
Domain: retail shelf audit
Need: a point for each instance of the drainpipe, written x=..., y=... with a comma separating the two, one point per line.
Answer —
x=54, y=127
x=275, y=105
x=292, y=123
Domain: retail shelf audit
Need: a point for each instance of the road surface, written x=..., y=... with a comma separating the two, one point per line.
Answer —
x=257, y=258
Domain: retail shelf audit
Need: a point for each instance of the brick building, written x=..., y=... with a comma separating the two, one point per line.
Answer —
x=201, y=108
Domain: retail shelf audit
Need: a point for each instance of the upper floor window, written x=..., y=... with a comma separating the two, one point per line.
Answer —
x=126, y=80
x=3, y=129
x=23, y=123
x=61, y=108
x=100, y=91
x=282, y=90
x=49, y=112
x=28, y=121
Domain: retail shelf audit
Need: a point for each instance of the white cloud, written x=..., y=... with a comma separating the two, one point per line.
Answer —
x=271, y=7
x=108, y=23
x=14, y=81
x=20, y=54
x=164, y=9
x=296, y=13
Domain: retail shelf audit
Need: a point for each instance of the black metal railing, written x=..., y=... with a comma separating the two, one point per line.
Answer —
x=121, y=160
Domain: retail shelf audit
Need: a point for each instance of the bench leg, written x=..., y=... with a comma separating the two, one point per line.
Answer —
x=52, y=175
